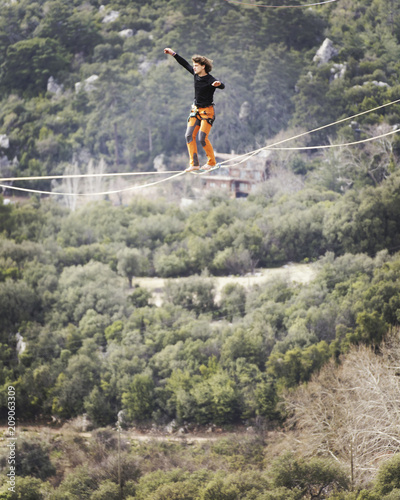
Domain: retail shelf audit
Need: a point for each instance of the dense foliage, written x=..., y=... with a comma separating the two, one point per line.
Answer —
x=133, y=111
x=95, y=343
x=110, y=466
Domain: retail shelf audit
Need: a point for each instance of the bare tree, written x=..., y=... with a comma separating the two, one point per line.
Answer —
x=352, y=412
x=374, y=158
x=75, y=184
x=95, y=182
x=347, y=164
x=68, y=185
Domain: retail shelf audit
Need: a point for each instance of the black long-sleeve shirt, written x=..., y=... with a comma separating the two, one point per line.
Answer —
x=203, y=88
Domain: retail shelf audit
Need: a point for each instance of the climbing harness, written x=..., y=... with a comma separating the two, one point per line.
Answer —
x=196, y=113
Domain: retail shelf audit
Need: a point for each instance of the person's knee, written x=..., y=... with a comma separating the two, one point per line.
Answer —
x=189, y=135
x=203, y=138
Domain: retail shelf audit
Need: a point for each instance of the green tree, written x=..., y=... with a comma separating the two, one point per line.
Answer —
x=183, y=490
x=180, y=401
x=216, y=400
x=242, y=484
x=131, y=263
x=267, y=400
x=76, y=29
x=174, y=484
x=298, y=29
x=317, y=101
x=233, y=261
x=297, y=365
x=28, y=488
x=107, y=491
x=99, y=407
x=233, y=301
x=218, y=488
x=93, y=325
x=73, y=385
x=168, y=265
x=18, y=302
x=195, y=294
x=78, y=485
x=33, y=459
x=114, y=331
x=93, y=286
x=113, y=98
x=281, y=494
x=388, y=477
x=274, y=86
x=244, y=344
x=139, y=399
x=140, y=296
x=315, y=478
x=371, y=327
x=365, y=221
x=30, y=63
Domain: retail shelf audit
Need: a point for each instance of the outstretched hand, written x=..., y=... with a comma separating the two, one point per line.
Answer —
x=169, y=51
x=216, y=84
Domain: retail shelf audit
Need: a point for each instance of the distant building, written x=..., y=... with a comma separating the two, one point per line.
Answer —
x=240, y=179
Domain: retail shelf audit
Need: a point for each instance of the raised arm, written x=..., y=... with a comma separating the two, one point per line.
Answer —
x=169, y=51
x=179, y=59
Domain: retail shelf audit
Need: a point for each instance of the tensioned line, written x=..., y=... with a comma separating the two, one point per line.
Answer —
x=326, y=146
x=245, y=156
x=177, y=174
x=238, y=2
x=76, y=176
x=104, y=193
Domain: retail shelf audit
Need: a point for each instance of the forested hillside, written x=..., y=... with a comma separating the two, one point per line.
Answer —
x=137, y=107
x=311, y=370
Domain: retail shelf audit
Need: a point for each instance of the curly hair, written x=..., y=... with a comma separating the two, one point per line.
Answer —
x=204, y=61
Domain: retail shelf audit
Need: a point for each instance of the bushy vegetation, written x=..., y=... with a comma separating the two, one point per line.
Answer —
x=94, y=343
x=229, y=468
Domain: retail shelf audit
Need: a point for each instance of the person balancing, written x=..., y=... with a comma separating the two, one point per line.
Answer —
x=202, y=114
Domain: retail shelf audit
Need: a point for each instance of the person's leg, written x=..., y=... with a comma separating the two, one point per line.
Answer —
x=207, y=119
x=192, y=129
